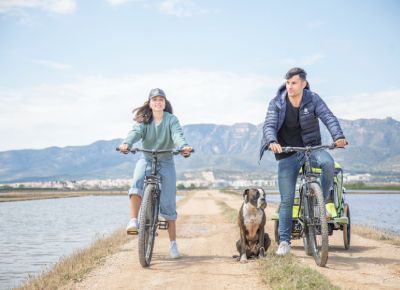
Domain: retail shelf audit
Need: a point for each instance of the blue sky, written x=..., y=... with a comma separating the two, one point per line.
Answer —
x=71, y=71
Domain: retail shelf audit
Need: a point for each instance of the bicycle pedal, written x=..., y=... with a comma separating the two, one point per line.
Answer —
x=133, y=233
x=163, y=225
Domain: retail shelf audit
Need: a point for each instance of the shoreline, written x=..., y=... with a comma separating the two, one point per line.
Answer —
x=26, y=195
x=38, y=195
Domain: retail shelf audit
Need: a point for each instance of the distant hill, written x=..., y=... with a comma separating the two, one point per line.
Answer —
x=374, y=147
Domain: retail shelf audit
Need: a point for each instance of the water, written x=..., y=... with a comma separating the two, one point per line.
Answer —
x=375, y=210
x=35, y=234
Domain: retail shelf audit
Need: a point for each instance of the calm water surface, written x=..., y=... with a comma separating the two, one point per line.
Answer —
x=35, y=234
x=376, y=210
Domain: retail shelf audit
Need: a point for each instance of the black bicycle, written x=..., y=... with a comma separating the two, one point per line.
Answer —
x=150, y=206
x=310, y=221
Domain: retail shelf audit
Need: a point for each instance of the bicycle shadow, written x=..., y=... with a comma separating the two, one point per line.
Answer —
x=342, y=259
x=163, y=262
x=341, y=249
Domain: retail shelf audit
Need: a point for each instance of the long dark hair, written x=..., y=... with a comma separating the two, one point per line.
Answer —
x=144, y=114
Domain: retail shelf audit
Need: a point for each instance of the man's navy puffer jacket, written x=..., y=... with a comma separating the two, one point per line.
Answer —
x=312, y=107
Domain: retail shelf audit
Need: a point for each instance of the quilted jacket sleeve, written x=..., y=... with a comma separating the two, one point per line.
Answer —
x=271, y=124
x=328, y=118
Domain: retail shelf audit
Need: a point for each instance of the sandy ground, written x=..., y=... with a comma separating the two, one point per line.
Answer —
x=206, y=240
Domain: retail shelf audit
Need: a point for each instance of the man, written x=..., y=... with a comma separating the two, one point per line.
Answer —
x=292, y=120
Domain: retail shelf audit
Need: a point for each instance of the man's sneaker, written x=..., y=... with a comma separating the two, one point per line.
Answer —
x=173, y=250
x=132, y=227
x=283, y=249
x=330, y=210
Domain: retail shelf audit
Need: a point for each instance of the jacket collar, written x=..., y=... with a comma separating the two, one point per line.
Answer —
x=307, y=98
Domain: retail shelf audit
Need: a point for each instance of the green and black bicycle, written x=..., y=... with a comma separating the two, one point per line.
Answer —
x=309, y=218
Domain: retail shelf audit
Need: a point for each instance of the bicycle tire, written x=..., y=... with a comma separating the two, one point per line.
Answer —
x=276, y=227
x=276, y=232
x=318, y=226
x=147, y=225
x=306, y=237
x=347, y=227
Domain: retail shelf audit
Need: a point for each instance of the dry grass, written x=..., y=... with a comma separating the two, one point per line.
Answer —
x=74, y=268
x=376, y=234
x=287, y=273
x=230, y=213
x=284, y=272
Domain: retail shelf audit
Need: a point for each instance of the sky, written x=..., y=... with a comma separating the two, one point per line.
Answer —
x=71, y=71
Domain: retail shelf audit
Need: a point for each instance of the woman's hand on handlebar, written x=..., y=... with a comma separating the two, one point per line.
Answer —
x=186, y=151
x=124, y=148
x=275, y=147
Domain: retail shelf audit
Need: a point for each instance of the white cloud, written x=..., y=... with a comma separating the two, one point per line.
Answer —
x=310, y=60
x=14, y=7
x=52, y=64
x=99, y=107
x=367, y=105
x=122, y=2
x=178, y=8
x=314, y=24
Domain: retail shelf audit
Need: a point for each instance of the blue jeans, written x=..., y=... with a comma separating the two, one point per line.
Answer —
x=288, y=170
x=166, y=170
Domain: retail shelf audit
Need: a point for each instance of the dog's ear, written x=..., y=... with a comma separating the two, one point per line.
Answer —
x=246, y=195
x=262, y=202
x=262, y=192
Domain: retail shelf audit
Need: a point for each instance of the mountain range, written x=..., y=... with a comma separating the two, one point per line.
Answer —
x=374, y=147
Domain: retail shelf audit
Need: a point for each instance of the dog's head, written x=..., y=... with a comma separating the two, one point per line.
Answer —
x=255, y=196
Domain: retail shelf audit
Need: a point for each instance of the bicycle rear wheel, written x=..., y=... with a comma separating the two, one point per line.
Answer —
x=346, y=227
x=317, y=225
x=147, y=225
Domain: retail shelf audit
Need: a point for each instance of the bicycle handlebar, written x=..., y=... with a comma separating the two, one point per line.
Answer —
x=308, y=148
x=155, y=152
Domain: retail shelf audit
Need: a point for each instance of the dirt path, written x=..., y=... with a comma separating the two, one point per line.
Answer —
x=207, y=240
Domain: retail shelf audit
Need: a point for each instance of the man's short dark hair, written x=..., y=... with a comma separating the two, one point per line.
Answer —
x=296, y=71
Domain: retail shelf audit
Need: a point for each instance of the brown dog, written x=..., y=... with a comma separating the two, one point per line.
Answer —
x=253, y=242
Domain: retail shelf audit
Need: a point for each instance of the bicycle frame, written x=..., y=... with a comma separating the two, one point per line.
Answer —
x=155, y=179
x=149, y=208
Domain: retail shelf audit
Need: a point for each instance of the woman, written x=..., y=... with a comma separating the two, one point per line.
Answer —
x=158, y=129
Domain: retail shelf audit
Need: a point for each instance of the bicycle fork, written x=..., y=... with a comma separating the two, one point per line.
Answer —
x=160, y=224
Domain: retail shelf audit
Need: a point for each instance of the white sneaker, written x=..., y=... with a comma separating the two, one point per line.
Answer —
x=283, y=249
x=132, y=227
x=173, y=250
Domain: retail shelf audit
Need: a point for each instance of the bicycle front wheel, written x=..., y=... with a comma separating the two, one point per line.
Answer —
x=147, y=225
x=304, y=210
x=317, y=225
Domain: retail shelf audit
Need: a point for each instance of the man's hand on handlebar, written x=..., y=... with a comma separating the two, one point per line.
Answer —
x=124, y=148
x=186, y=151
x=340, y=143
x=275, y=147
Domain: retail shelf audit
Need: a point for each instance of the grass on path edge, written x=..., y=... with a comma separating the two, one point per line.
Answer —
x=284, y=272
